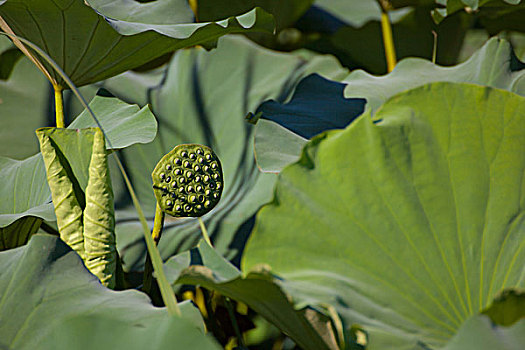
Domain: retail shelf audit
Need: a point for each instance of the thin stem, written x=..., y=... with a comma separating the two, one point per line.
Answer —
x=388, y=41
x=240, y=339
x=168, y=296
x=434, y=49
x=158, y=224
x=205, y=232
x=59, y=106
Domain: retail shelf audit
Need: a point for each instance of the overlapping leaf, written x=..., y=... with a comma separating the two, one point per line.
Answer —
x=204, y=99
x=408, y=226
x=493, y=65
x=90, y=47
x=258, y=290
x=490, y=66
x=57, y=304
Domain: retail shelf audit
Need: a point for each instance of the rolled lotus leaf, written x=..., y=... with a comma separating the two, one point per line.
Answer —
x=188, y=181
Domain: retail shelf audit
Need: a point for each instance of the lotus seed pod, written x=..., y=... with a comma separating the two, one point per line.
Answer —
x=188, y=181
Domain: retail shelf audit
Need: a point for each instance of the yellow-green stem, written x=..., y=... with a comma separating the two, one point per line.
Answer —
x=158, y=224
x=205, y=232
x=388, y=41
x=59, y=107
x=434, y=49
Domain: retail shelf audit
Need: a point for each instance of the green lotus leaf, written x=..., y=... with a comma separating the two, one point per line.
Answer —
x=257, y=289
x=408, y=225
x=492, y=65
x=90, y=47
x=50, y=301
x=204, y=99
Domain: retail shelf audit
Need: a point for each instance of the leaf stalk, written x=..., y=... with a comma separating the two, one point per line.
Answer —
x=388, y=41
x=59, y=106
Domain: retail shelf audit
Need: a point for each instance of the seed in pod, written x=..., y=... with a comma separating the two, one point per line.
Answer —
x=194, y=175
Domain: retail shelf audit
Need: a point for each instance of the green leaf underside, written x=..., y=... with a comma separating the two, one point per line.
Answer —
x=56, y=301
x=257, y=290
x=415, y=223
x=204, y=99
x=85, y=216
x=90, y=47
x=25, y=191
x=489, y=66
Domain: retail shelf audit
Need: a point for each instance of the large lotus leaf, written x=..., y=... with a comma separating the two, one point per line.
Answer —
x=497, y=17
x=204, y=99
x=478, y=333
x=362, y=47
x=24, y=191
x=257, y=290
x=407, y=226
x=44, y=285
x=490, y=66
x=90, y=47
